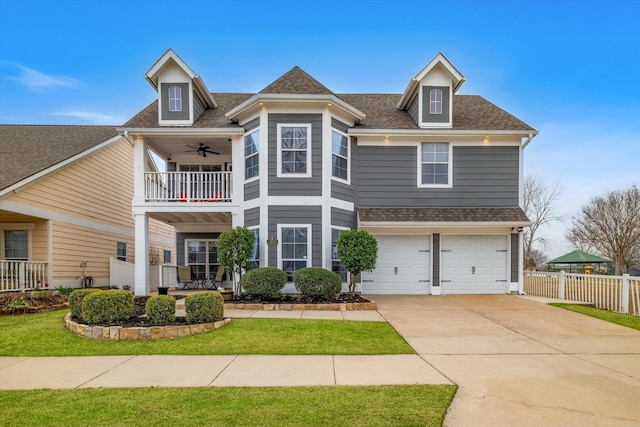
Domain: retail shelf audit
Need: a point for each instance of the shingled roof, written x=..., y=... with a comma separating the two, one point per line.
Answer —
x=470, y=112
x=28, y=149
x=297, y=81
x=510, y=215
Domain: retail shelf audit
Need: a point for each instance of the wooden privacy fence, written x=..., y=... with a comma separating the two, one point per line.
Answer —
x=614, y=293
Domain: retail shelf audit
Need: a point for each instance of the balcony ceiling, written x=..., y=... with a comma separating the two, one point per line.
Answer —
x=167, y=145
x=210, y=218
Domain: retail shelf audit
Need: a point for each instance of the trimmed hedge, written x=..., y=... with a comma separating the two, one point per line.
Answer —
x=75, y=301
x=263, y=282
x=107, y=307
x=204, y=307
x=317, y=283
x=161, y=309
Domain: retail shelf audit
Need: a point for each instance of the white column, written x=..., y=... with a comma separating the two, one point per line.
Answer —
x=520, y=264
x=141, y=270
x=139, y=168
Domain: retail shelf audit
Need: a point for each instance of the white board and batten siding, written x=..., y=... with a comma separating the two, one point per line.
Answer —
x=403, y=266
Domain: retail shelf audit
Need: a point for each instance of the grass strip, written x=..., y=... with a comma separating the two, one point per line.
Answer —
x=622, y=319
x=44, y=334
x=413, y=405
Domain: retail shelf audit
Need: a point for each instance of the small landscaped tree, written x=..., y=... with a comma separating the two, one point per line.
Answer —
x=235, y=248
x=358, y=252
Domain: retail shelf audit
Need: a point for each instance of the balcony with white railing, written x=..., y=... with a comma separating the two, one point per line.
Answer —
x=22, y=275
x=188, y=187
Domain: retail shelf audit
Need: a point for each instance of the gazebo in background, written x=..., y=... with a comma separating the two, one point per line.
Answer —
x=577, y=262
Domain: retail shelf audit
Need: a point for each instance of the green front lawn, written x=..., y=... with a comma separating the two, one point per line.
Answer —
x=44, y=334
x=610, y=316
x=414, y=405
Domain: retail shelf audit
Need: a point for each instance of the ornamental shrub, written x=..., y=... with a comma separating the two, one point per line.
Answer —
x=264, y=282
x=204, y=307
x=107, y=307
x=317, y=283
x=161, y=309
x=75, y=301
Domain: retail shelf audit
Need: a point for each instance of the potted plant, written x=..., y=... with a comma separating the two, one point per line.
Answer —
x=227, y=293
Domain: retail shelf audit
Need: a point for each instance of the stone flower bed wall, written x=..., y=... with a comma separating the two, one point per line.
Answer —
x=349, y=306
x=138, y=333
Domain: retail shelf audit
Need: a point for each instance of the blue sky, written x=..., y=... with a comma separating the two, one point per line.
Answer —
x=568, y=68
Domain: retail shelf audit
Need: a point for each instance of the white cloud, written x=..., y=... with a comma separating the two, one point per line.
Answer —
x=37, y=81
x=92, y=118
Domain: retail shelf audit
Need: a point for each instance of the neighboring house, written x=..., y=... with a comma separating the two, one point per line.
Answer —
x=65, y=198
x=436, y=177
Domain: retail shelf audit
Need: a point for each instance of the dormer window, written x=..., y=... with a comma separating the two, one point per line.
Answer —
x=435, y=101
x=175, y=98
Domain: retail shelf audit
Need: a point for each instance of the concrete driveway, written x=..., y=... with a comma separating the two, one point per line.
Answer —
x=519, y=362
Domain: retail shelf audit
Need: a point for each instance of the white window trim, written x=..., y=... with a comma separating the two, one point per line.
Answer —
x=126, y=251
x=244, y=165
x=309, y=240
x=335, y=178
x=331, y=258
x=449, y=183
x=279, y=173
x=186, y=252
x=256, y=227
x=434, y=104
x=17, y=227
x=177, y=98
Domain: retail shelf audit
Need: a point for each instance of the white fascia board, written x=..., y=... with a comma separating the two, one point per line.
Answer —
x=182, y=131
x=390, y=224
x=284, y=98
x=436, y=132
x=51, y=169
x=152, y=75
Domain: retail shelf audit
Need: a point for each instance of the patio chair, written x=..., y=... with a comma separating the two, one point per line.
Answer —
x=218, y=278
x=185, y=276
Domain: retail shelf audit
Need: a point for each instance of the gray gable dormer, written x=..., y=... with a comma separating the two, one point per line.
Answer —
x=182, y=95
x=429, y=95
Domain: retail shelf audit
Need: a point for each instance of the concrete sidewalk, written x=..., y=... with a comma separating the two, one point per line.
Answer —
x=213, y=371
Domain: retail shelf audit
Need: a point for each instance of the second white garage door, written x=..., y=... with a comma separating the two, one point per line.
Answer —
x=474, y=265
x=402, y=266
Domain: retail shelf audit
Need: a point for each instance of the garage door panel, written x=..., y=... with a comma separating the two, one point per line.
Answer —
x=402, y=266
x=474, y=264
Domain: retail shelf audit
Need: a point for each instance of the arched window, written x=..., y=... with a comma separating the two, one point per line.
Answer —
x=435, y=101
x=175, y=98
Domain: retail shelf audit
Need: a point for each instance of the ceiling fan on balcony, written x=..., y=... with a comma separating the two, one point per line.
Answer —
x=201, y=150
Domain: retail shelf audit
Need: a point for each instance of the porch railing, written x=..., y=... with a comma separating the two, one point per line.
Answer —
x=22, y=275
x=188, y=186
x=614, y=293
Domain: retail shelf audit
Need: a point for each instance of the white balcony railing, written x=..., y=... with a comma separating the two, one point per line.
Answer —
x=188, y=186
x=22, y=275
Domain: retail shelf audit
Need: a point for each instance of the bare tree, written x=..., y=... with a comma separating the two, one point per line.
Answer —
x=537, y=200
x=611, y=226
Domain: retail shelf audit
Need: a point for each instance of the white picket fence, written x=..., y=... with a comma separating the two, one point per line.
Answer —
x=614, y=293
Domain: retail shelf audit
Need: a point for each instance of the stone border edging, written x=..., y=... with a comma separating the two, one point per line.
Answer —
x=349, y=306
x=139, y=333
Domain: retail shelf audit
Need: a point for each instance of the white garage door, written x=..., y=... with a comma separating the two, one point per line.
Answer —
x=473, y=265
x=402, y=266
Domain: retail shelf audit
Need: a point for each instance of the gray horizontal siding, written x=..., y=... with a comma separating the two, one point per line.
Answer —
x=198, y=107
x=175, y=115
x=252, y=190
x=296, y=186
x=252, y=217
x=251, y=124
x=343, y=218
x=341, y=190
x=297, y=215
x=482, y=177
x=337, y=124
x=436, y=259
x=435, y=118
x=412, y=109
